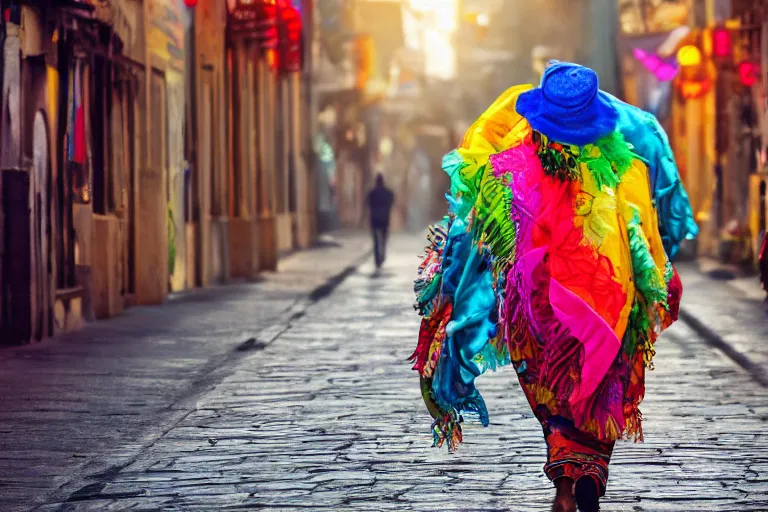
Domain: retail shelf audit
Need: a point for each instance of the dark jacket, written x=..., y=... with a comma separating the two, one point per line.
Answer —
x=380, y=201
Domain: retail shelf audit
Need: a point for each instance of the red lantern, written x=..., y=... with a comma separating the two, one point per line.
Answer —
x=722, y=45
x=190, y=3
x=749, y=73
x=290, y=37
x=254, y=19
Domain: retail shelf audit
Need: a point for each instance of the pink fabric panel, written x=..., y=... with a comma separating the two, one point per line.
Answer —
x=601, y=345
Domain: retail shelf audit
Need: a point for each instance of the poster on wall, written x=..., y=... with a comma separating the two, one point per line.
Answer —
x=166, y=32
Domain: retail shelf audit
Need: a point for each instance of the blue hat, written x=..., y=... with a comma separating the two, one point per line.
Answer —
x=569, y=106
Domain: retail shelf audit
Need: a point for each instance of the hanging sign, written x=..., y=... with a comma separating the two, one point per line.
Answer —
x=254, y=19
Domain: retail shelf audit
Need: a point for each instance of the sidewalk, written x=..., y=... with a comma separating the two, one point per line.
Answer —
x=85, y=404
x=726, y=310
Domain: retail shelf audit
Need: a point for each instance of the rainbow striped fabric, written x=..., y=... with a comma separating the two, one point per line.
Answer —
x=553, y=258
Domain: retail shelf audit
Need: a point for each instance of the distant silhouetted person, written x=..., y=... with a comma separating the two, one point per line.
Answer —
x=379, y=202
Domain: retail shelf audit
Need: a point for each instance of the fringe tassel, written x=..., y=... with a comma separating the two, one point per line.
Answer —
x=447, y=430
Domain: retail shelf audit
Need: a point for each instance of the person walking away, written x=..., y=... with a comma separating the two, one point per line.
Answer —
x=379, y=202
x=565, y=211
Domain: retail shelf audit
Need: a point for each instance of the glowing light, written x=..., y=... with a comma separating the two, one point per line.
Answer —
x=721, y=42
x=661, y=68
x=692, y=89
x=689, y=56
x=271, y=57
x=749, y=73
x=483, y=20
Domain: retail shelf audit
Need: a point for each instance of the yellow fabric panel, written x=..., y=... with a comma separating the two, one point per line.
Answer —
x=636, y=190
x=605, y=230
x=499, y=128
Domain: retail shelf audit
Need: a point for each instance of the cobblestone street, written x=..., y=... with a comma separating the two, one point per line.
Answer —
x=258, y=398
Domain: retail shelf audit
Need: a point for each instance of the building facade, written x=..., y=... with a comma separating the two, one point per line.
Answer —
x=147, y=148
x=700, y=68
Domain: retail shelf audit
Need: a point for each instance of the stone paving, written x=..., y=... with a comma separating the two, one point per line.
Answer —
x=729, y=313
x=88, y=403
x=328, y=417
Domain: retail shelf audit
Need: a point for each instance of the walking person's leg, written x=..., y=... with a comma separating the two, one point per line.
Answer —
x=384, y=240
x=577, y=463
x=377, y=245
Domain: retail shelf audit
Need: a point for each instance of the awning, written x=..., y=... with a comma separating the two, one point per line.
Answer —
x=113, y=13
x=116, y=14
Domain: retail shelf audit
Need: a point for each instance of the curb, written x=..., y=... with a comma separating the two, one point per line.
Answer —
x=715, y=340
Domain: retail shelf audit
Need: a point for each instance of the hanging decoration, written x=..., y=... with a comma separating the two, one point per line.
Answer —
x=255, y=19
x=290, y=34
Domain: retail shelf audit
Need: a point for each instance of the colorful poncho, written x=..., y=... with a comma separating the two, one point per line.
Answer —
x=552, y=259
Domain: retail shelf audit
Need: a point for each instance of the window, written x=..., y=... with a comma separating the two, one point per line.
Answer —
x=649, y=16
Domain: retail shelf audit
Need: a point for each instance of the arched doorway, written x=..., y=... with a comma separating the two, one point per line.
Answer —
x=40, y=191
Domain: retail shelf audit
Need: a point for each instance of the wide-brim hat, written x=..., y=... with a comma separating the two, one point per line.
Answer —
x=569, y=106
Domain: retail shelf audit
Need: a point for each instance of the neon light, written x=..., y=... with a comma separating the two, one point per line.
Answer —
x=662, y=69
x=721, y=42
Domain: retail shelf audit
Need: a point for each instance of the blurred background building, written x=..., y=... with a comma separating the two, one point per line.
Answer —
x=153, y=146
x=150, y=146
